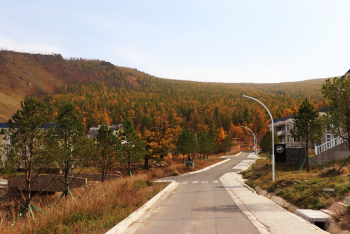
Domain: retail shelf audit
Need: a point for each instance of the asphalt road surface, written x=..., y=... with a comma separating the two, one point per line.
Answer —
x=199, y=204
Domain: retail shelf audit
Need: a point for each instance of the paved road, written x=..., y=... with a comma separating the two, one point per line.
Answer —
x=200, y=204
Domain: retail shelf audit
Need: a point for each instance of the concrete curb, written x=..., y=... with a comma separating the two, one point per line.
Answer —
x=123, y=225
x=256, y=223
x=231, y=155
x=261, y=228
x=207, y=168
x=204, y=169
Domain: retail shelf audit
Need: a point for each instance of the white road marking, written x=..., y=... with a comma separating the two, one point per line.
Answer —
x=194, y=182
x=215, y=181
x=205, y=182
x=185, y=182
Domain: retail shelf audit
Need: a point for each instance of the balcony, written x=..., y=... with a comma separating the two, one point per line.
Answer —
x=280, y=133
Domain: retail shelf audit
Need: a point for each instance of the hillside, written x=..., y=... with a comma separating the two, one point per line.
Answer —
x=108, y=93
x=23, y=73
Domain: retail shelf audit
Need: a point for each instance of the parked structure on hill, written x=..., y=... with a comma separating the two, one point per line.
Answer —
x=282, y=128
x=3, y=141
x=93, y=130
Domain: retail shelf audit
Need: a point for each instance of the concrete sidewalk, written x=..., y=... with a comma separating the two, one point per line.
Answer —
x=266, y=216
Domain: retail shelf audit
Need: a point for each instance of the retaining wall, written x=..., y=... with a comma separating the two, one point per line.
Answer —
x=7, y=191
x=336, y=153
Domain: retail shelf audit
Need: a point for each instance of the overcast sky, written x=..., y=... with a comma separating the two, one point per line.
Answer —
x=214, y=41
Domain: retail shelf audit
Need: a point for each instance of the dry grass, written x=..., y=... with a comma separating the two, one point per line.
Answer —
x=303, y=189
x=97, y=209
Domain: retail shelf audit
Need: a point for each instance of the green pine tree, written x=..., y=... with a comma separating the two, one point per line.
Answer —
x=30, y=147
x=132, y=148
x=308, y=127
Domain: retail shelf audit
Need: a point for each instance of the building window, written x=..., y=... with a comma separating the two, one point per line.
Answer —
x=329, y=138
x=296, y=146
x=335, y=140
x=287, y=127
x=294, y=140
x=287, y=138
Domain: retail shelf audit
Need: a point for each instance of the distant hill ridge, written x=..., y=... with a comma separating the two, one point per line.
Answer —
x=42, y=75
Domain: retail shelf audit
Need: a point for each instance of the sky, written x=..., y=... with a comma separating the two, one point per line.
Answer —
x=231, y=41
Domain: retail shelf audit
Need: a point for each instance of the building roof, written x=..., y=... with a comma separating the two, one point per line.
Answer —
x=4, y=125
x=281, y=119
x=290, y=117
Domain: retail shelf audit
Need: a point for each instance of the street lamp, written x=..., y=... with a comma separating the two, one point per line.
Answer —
x=255, y=142
x=273, y=145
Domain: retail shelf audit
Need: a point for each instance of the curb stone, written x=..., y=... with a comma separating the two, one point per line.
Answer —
x=204, y=169
x=258, y=225
x=261, y=226
x=207, y=168
x=231, y=155
x=123, y=225
x=280, y=202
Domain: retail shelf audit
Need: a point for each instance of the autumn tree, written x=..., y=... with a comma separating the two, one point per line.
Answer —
x=160, y=138
x=220, y=139
x=286, y=113
x=30, y=148
x=308, y=127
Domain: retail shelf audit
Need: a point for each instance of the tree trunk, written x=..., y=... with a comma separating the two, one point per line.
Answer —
x=103, y=174
x=348, y=131
x=27, y=196
x=307, y=157
x=129, y=165
x=66, y=181
x=145, y=165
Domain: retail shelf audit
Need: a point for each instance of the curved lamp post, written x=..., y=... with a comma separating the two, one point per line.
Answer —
x=273, y=142
x=255, y=142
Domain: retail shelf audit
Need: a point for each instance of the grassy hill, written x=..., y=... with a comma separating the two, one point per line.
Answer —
x=23, y=73
x=108, y=93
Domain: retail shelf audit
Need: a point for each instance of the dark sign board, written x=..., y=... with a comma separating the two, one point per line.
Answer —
x=280, y=153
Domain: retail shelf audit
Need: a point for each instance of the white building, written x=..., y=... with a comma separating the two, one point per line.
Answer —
x=282, y=129
x=93, y=130
x=3, y=141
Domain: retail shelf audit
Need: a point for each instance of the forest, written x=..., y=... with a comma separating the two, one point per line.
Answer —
x=165, y=106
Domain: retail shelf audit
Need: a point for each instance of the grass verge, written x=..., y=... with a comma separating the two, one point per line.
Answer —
x=96, y=210
x=304, y=189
